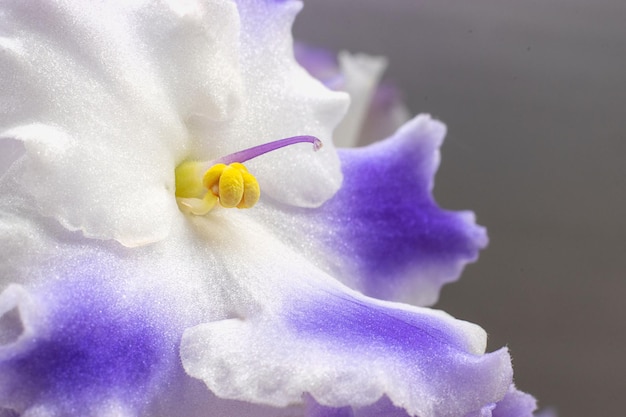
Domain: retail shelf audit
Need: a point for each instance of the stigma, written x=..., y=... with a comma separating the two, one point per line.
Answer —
x=202, y=186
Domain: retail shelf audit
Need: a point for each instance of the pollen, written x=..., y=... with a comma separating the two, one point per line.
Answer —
x=229, y=185
x=226, y=182
x=233, y=185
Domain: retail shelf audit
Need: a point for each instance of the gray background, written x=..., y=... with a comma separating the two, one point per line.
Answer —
x=534, y=95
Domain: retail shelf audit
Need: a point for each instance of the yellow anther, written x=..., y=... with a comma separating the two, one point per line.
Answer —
x=241, y=167
x=211, y=178
x=251, y=191
x=233, y=184
x=230, y=185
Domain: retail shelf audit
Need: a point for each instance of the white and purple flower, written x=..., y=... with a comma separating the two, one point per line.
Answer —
x=123, y=294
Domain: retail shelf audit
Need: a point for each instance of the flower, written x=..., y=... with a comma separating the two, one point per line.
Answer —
x=120, y=299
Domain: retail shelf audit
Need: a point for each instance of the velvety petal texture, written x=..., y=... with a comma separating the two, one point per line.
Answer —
x=115, y=95
x=312, y=335
x=515, y=404
x=89, y=90
x=99, y=355
x=383, y=233
x=115, y=303
x=385, y=220
x=282, y=100
x=94, y=328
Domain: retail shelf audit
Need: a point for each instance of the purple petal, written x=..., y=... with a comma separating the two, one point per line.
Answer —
x=90, y=351
x=515, y=404
x=383, y=407
x=314, y=409
x=320, y=63
x=384, y=218
x=346, y=350
x=382, y=233
x=430, y=351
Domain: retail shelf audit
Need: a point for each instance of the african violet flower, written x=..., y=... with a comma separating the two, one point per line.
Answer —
x=132, y=285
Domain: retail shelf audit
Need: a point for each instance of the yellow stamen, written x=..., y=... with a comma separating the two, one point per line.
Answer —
x=227, y=181
x=230, y=185
x=251, y=191
x=211, y=178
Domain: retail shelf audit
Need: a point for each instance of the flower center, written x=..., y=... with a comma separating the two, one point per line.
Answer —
x=201, y=185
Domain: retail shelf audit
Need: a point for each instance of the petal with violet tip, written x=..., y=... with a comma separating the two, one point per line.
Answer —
x=382, y=233
x=320, y=63
x=346, y=352
x=303, y=332
x=86, y=351
x=94, y=329
x=93, y=351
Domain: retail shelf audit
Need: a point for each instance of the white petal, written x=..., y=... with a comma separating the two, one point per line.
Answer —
x=282, y=100
x=100, y=94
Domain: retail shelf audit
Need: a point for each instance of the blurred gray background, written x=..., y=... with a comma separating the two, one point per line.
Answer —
x=534, y=96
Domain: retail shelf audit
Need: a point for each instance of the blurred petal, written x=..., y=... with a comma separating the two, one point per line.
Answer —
x=376, y=109
x=10, y=151
x=314, y=409
x=515, y=404
x=385, y=115
x=361, y=76
x=320, y=63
